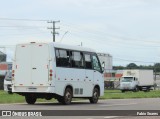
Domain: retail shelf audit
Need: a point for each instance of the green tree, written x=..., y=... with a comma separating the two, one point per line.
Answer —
x=157, y=67
x=118, y=67
x=132, y=66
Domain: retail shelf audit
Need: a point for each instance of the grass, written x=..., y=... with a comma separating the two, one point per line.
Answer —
x=117, y=94
x=15, y=98
x=109, y=94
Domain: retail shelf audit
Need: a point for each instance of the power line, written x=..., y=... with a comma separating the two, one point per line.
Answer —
x=11, y=35
x=23, y=27
x=79, y=28
x=7, y=46
x=26, y=26
x=53, y=32
x=120, y=44
x=132, y=60
x=14, y=19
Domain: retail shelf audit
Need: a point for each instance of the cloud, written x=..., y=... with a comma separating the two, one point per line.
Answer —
x=113, y=26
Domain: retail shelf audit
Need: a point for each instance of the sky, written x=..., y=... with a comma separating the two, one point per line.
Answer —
x=126, y=29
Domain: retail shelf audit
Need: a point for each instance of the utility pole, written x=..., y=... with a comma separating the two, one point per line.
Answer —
x=53, y=32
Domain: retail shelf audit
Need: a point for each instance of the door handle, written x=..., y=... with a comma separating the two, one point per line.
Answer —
x=34, y=68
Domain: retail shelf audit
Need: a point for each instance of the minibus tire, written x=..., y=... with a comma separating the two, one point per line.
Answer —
x=30, y=99
x=67, y=98
x=10, y=92
x=95, y=97
x=60, y=99
x=123, y=91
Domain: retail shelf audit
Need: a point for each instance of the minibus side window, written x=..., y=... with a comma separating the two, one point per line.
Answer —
x=88, y=61
x=77, y=59
x=62, y=58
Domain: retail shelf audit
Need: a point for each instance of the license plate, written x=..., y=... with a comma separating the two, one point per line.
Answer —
x=32, y=89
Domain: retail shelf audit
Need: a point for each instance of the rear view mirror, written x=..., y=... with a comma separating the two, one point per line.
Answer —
x=103, y=65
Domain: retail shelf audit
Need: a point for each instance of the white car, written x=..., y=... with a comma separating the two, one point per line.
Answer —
x=8, y=82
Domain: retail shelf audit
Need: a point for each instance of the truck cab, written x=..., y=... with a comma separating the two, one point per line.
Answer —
x=129, y=83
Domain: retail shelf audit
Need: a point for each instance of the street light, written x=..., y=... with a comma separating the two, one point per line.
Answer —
x=63, y=36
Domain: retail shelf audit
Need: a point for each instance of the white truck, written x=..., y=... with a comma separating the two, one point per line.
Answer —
x=52, y=70
x=135, y=80
x=8, y=82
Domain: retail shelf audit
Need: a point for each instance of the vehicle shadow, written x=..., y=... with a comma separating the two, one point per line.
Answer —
x=60, y=104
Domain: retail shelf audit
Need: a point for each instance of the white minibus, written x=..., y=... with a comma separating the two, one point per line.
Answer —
x=54, y=70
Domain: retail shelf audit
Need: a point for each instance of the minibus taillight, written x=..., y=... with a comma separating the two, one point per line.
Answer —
x=50, y=74
x=12, y=74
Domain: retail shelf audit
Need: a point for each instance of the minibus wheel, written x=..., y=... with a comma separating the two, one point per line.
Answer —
x=30, y=99
x=10, y=92
x=67, y=98
x=95, y=97
x=60, y=99
x=123, y=91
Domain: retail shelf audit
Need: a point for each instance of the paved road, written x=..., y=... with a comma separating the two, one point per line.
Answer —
x=111, y=104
